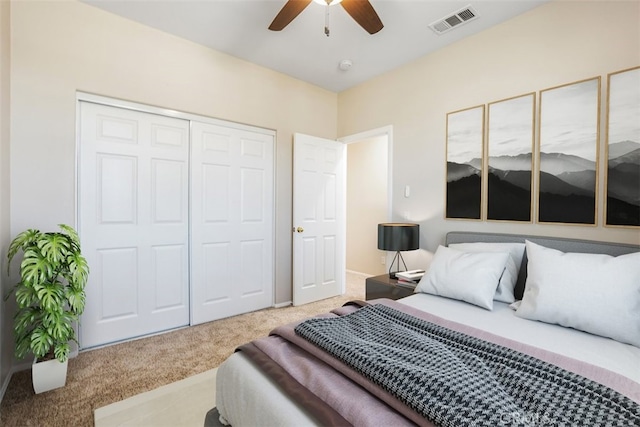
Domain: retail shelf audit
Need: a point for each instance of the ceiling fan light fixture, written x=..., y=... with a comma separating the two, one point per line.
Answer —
x=360, y=10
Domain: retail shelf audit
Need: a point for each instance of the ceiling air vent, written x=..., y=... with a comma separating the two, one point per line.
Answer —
x=456, y=19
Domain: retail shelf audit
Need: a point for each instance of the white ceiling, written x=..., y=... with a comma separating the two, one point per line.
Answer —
x=301, y=50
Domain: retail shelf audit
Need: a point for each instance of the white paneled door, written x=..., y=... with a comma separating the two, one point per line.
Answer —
x=232, y=241
x=319, y=218
x=134, y=222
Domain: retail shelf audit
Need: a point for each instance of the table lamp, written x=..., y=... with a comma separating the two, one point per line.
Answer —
x=398, y=236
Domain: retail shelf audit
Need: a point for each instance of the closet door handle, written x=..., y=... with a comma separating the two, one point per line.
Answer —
x=299, y=229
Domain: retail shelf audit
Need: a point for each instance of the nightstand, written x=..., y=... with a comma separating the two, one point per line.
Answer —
x=384, y=287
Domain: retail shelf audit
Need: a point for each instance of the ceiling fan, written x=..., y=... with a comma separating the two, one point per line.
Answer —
x=360, y=10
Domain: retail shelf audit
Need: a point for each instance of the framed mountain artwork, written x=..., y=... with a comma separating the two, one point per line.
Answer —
x=510, y=158
x=623, y=149
x=465, y=140
x=568, y=153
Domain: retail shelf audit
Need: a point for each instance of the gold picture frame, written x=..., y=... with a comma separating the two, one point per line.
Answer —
x=509, y=171
x=567, y=153
x=465, y=161
x=622, y=176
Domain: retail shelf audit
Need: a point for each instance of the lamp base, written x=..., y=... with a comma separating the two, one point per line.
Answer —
x=398, y=257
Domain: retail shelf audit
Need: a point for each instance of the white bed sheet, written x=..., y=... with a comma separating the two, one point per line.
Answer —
x=606, y=353
x=244, y=396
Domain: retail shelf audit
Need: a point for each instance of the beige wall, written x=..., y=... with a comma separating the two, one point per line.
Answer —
x=5, y=317
x=61, y=47
x=540, y=49
x=367, y=203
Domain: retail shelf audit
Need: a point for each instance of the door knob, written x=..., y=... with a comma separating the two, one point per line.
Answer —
x=299, y=229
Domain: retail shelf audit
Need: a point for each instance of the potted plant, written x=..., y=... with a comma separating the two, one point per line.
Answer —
x=50, y=298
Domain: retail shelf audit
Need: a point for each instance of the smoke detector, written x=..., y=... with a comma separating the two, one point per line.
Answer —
x=345, y=64
x=454, y=20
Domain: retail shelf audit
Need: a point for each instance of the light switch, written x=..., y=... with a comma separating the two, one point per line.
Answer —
x=407, y=191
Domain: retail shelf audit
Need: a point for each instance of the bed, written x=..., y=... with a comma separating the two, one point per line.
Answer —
x=500, y=354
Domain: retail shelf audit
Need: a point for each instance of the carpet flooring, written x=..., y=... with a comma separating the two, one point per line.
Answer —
x=97, y=378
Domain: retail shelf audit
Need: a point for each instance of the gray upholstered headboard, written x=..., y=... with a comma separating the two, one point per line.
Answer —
x=561, y=244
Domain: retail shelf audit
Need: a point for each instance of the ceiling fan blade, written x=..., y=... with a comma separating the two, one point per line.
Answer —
x=289, y=11
x=364, y=14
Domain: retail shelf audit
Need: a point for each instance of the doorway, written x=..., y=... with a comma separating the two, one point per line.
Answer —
x=371, y=153
x=368, y=198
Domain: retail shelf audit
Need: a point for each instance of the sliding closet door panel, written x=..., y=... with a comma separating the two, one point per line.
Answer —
x=232, y=221
x=133, y=222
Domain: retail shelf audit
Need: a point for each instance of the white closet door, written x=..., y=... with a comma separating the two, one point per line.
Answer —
x=231, y=221
x=133, y=222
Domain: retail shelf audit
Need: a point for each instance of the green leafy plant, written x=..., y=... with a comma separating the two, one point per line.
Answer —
x=50, y=294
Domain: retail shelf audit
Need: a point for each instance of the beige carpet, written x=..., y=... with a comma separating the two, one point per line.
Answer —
x=104, y=376
x=183, y=403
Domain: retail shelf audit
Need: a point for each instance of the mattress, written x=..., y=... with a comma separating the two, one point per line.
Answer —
x=240, y=385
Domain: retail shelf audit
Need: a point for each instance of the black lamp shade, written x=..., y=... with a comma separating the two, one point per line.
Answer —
x=398, y=236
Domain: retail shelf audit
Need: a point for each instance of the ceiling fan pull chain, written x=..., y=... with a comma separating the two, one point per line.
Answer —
x=326, y=18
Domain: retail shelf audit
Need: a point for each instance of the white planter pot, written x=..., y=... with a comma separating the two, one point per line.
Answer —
x=48, y=375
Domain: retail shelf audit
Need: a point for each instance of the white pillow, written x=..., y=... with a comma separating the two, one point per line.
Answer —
x=595, y=293
x=468, y=276
x=509, y=278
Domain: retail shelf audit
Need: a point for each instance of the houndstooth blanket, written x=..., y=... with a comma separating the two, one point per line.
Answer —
x=454, y=379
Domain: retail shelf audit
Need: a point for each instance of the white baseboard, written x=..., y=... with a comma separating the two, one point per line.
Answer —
x=283, y=304
x=288, y=303
x=365, y=275
x=15, y=368
x=5, y=385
